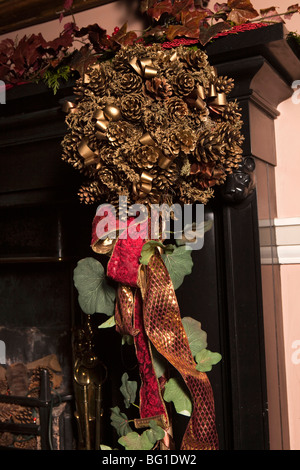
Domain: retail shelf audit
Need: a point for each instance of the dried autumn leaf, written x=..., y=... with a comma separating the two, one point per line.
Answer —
x=272, y=15
x=292, y=10
x=206, y=34
x=96, y=35
x=81, y=59
x=190, y=27
x=178, y=30
x=182, y=6
x=159, y=8
x=241, y=11
x=145, y=5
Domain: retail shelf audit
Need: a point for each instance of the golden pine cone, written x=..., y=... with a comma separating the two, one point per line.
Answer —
x=128, y=83
x=165, y=179
x=119, y=132
x=184, y=83
x=224, y=85
x=186, y=140
x=146, y=157
x=177, y=108
x=155, y=117
x=132, y=106
x=89, y=194
x=196, y=59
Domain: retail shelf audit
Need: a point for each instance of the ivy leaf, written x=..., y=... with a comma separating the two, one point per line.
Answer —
x=197, y=338
x=128, y=390
x=148, y=250
x=206, y=359
x=155, y=433
x=206, y=34
x=95, y=295
x=175, y=392
x=189, y=27
x=241, y=11
x=144, y=441
x=120, y=421
x=179, y=263
x=108, y=323
x=135, y=441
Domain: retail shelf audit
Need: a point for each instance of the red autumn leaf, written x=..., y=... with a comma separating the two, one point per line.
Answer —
x=206, y=34
x=159, y=8
x=96, y=35
x=123, y=37
x=64, y=41
x=271, y=14
x=182, y=6
x=191, y=21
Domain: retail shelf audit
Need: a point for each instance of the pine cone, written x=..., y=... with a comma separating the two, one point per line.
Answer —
x=187, y=140
x=154, y=118
x=89, y=194
x=196, y=59
x=210, y=146
x=128, y=83
x=132, y=107
x=146, y=157
x=231, y=112
x=119, y=132
x=159, y=88
x=166, y=179
x=224, y=85
x=184, y=83
x=177, y=108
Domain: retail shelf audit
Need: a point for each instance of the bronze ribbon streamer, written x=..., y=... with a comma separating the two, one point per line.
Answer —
x=164, y=329
x=214, y=101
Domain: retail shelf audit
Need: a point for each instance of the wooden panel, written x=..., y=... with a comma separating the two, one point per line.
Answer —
x=17, y=14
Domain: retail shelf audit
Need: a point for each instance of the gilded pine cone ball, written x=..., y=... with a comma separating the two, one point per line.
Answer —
x=184, y=83
x=132, y=107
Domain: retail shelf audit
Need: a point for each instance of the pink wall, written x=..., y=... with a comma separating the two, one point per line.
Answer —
x=287, y=175
x=286, y=328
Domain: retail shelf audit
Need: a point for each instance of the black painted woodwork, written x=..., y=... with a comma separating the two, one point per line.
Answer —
x=44, y=231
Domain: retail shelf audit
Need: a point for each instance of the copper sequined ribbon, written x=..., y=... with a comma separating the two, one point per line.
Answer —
x=164, y=328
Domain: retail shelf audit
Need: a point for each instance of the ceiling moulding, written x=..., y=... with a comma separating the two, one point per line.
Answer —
x=18, y=14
